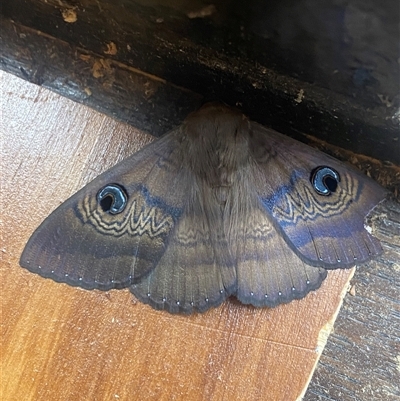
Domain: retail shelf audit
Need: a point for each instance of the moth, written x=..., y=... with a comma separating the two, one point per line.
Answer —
x=219, y=206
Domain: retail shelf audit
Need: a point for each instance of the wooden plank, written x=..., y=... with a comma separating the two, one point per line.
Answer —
x=114, y=88
x=306, y=86
x=65, y=343
x=361, y=361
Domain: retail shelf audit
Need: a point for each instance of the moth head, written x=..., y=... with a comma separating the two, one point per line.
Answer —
x=112, y=198
x=325, y=180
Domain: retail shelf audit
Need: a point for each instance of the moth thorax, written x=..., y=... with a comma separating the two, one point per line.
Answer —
x=216, y=145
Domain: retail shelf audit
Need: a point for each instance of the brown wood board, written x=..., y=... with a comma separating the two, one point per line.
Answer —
x=65, y=343
x=361, y=359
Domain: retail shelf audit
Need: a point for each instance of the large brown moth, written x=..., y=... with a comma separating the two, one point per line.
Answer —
x=219, y=206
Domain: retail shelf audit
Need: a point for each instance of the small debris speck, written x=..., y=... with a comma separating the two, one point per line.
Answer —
x=352, y=290
x=111, y=49
x=203, y=12
x=300, y=96
x=69, y=16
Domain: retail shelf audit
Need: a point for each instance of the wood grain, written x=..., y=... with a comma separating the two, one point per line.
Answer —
x=65, y=343
x=361, y=361
x=353, y=109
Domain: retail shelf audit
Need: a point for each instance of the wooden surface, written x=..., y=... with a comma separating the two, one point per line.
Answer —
x=64, y=343
x=361, y=361
x=326, y=68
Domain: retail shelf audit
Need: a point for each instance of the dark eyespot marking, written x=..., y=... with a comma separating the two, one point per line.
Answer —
x=112, y=198
x=324, y=180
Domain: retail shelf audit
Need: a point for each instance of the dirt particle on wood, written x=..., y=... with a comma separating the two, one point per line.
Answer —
x=203, y=12
x=69, y=15
x=101, y=68
x=111, y=49
x=352, y=290
x=300, y=96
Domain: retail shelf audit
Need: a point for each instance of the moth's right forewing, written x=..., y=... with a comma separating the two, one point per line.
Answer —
x=325, y=230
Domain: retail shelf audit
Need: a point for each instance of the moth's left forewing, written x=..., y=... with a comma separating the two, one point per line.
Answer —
x=324, y=229
x=83, y=243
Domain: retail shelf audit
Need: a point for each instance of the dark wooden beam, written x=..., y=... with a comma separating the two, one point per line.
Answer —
x=149, y=64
